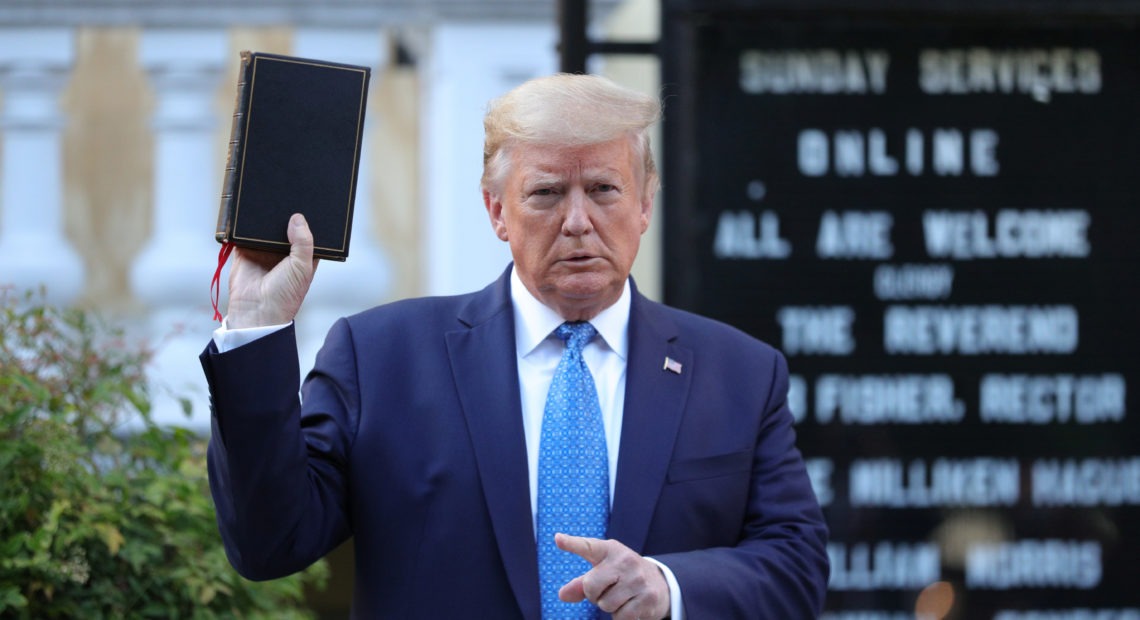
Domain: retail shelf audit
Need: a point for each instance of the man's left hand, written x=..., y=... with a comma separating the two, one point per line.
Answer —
x=621, y=582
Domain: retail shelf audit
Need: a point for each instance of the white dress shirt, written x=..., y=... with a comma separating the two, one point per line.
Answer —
x=539, y=349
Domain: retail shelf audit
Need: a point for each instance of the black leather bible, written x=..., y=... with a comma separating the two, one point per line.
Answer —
x=294, y=148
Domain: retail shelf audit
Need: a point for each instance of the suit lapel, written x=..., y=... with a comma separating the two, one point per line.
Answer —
x=654, y=401
x=485, y=370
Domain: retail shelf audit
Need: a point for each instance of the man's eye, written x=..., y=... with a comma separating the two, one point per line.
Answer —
x=545, y=191
x=605, y=187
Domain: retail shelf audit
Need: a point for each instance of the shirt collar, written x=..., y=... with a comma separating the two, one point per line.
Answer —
x=534, y=321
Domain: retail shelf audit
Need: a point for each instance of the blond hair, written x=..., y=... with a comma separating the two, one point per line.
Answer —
x=567, y=110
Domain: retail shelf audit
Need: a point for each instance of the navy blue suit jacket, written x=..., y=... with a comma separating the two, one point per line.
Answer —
x=410, y=439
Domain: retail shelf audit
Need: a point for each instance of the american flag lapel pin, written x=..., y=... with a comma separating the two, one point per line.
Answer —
x=672, y=365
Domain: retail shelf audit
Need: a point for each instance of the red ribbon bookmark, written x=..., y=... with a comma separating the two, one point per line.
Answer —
x=216, y=283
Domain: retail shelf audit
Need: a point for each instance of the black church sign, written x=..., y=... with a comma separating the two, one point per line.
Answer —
x=936, y=217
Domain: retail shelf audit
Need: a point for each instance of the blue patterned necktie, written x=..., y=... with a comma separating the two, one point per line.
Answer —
x=573, y=475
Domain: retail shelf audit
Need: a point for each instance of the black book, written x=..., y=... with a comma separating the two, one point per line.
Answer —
x=294, y=148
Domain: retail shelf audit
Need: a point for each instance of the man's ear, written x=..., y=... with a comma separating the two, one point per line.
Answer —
x=495, y=212
x=647, y=205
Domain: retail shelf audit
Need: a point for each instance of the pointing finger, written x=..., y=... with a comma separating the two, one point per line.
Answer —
x=590, y=549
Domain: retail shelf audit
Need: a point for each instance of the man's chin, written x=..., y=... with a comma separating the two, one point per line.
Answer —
x=583, y=296
x=584, y=286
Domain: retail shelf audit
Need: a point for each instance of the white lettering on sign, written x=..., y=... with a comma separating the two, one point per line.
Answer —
x=797, y=397
x=855, y=234
x=1038, y=73
x=980, y=330
x=1086, y=482
x=855, y=153
x=821, y=71
x=887, y=399
x=741, y=234
x=812, y=153
x=1045, y=399
x=818, y=330
x=1031, y=563
x=884, y=566
x=1080, y=613
x=913, y=281
x=869, y=614
x=819, y=472
x=915, y=156
x=886, y=483
x=965, y=235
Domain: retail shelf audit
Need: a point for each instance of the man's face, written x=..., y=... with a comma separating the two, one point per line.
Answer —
x=573, y=217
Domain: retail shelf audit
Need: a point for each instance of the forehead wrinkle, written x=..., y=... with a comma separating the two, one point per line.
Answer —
x=559, y=164
x=597, y=172
x=540, y=176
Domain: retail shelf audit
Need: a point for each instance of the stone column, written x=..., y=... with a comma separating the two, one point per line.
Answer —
x=363, y=280
x=171, y=275
x=463, y=74
x=34, y=66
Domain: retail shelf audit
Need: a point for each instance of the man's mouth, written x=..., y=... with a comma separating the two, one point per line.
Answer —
x=579, y=259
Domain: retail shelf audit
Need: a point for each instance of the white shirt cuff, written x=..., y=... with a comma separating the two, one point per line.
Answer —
x=676, y=609
x=229, y=339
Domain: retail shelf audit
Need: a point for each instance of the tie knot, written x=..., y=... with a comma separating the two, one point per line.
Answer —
x=576, y=335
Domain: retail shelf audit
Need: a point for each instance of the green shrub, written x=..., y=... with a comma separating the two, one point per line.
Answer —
x=97, y=521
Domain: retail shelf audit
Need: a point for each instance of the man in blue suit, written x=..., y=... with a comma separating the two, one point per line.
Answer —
x=424, y=429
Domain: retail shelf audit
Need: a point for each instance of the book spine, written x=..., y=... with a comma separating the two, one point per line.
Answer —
x=234, y=151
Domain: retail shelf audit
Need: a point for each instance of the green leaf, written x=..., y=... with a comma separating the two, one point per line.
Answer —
x=11, y=598
x=95, y=523
x=111, y=536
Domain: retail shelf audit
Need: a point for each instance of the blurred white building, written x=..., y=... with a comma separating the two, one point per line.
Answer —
x=114, y=119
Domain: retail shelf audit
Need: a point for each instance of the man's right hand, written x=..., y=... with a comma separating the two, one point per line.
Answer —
x=266, y=289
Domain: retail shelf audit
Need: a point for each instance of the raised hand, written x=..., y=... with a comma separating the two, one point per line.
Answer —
x=266, y=288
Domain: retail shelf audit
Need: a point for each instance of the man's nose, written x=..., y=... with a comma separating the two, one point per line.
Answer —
x=577, y=220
